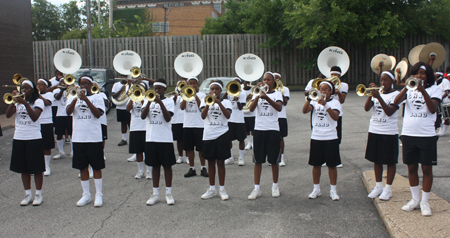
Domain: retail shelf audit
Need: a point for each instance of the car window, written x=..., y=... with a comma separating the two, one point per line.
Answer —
x=99, y=76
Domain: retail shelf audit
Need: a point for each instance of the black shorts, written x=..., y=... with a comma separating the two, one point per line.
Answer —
x=339, y=129
x=249, y=124
x=266, y=144
x=382, y=149
x=159, y=154
x=282, y=122
x=123, y=116
x=324, y=151
x=236, y=131
x=177, y=131
x=104, y=132
x=421, y=150
x=137, y=142
x=193, y=137
x=27, y=156
x=62, y=124
x=54, y=111
x=48, y=139
x=89, y=153
x=218, y=149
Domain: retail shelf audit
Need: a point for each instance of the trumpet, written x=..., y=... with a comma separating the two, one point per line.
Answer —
x=210, y=99
x=136, y=93
x=233, y=88
x=150, y=95
x=315, y=95
x=412, y=83
x=135, y=72
x=73, y=92
x=188, y=93
x=361, y=90
x=256, y=91
x=8, y=98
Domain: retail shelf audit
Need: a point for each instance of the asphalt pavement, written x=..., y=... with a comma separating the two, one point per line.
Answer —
x=126, y=214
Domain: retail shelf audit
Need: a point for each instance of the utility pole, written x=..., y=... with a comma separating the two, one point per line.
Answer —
x=99, y=12
x=165, y=19
x=88, y=11
x=110, y=13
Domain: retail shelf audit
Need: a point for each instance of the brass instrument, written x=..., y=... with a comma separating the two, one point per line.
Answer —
x=315, y=94
x=256, y=91
x=17, y=80
x=123, y=97
x=361, y=90
x=412, y=83
x=135, y=72
x=336, y=81
x=73, y=92
x=69, y=79
x=95, y=88
x=233, y=89
x=180, y=85
x=150, y=95
x=188, y=93
x=8, y=98
x=210, y=99
x=279, y=85
x=315, y=84
x=136, y=93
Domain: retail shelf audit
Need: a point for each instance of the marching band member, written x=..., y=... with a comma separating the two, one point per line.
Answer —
x=282, y=120
x=445, y=86
x=236, y=124
x=87, y=108
x=382, y=142
x=177, y=124
x=418, y=134
x=249, y=117
x=216, y=138
x=159, y=142
x=324, y=146
x=123, y=116
x=137, y=136
x=63, y=122
x=266, y=134
x=48, y=140
x=27, y=155
x=104, y=122
x=55, y=82
x=193, y=129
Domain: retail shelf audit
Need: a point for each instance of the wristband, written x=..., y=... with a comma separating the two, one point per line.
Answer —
x=309, y=99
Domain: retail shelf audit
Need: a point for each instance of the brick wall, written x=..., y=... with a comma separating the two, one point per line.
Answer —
x=16, y=48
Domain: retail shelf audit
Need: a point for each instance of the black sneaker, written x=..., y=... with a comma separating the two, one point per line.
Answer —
x=122, y=142
x=204, y=172
x=190, y=173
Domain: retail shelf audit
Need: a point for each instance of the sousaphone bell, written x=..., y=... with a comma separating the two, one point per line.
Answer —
x=249, y=67
x=333, y=56
x=188, y=64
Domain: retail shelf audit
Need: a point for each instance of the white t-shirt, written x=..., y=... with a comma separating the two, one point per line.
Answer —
x=237, y=116
x=137, y=123
x=27, y=129
x=54, y=81
x=86, y=127
x=178, y=114
x=61, y=103
x=380, y=123
x=158, y=129
x=344, y=89
x=116, y=88
x=46, y=115
x=418, y=121
x=445, y=86
x=216, y=124
x=249, y=113
x=266, y=116
x=192, y=114
x=309, y=85
x=286, y=94
x=103, y=119
x=324, y=127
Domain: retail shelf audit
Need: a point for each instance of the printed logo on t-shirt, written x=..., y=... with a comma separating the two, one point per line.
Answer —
x=378, y=108
x=321, y=113
x=418, y=103
x=84, y=109
x=215, y=112
x=23, y=115
x=190, y=107
x=155, y=110
x=137, y=109
x=265, y=105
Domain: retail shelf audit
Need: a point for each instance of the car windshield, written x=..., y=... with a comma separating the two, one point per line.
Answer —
x=98, y=75
x=204, y=87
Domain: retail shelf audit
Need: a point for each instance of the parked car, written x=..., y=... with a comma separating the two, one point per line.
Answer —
x=204, y=87
x=104, y=78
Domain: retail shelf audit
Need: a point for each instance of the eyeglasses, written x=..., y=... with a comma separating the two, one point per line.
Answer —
x=325, y=90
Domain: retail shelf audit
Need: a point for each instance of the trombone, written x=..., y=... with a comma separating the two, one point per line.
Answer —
x=135, y=72
x=188, y=93
x=180, y=85
x=412, y=83
x=233, y=89
x=150, y=95
x=210, y=99
x=361, y=90
x=315, y=95
x=136, y=93
x=95, y=88
x=17, y=80
x=334, y=80
x=8, y=98
x=69, y=79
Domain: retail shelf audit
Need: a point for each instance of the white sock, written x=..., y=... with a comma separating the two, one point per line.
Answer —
x=241, y=153
x=28, y=192
x=71, y=146
x=124, y=136
x=444, y=129
x=193, y=167
x=317, y=187
x=203, y=167
x=85, y=186
x=274, y=185
x=415, y=193
x=425, y=196
x=60, y=144
x=250, y=139
x=231, y=153
x=140, y=166
x=212, y=187
x=257, y=186
x=333, y=188
x=388, y=186
x=222, y=187
x=47, y=160
x=156, y=191
x=379, y=184
x=98, y=185
x=282, y=156
x=168, y=190
x=149, y=168
x=38, y=192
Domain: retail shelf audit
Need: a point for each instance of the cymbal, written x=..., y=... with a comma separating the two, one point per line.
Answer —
x=403, y=66
x=387, y=63
x=393, y=60
x=413, y=56
x=433, y=48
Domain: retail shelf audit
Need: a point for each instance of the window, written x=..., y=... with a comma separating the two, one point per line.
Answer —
x=166, y=5
x=171, y=5
x=159, y=27
x=176, y=5
x=181, y=4
x=218, y=7
x=213, y=14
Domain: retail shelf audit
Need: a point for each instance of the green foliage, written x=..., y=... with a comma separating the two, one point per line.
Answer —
x=45, y=20
x=138, y=29
x=71, y=16
x=229, y=23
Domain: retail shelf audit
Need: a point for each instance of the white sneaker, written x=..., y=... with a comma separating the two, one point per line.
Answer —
x=375, y=192
x=425, y=208
x=91, y=172
x=148, y=174
x=98, y=200
x=229, y=161
x=223, y=194
x=47, y=171
x=385, y=195
x=314, y=194
x=26, y=200
x=85, y=199
x=139, y=175
x=187, y=160
x=275, y=191
x=180, y=160
x=59, y=156
x=282, y=163
x=334, y=196
x=37, y=200
x=324, y=165
x=169, y=199
x=209, y=194
x=241, y=162
x=255, y=194
x=339, y=166
x=132, y=158
x=153, y=200
x=411, y=205
x=249, y=146
x=79, y=175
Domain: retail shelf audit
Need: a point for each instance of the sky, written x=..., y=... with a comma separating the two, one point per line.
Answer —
x=59, y=2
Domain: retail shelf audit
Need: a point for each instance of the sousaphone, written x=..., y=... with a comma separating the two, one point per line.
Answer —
x=123, y=62
x=67, y=61
x=333, y=56
x=188, y=64
x=385, y=60
x=249, y=67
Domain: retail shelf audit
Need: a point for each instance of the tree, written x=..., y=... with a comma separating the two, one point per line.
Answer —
x=71, y=16
x=46, y=24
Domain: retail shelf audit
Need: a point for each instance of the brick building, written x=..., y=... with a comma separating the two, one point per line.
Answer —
x=182, y=17
x=16, y=44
